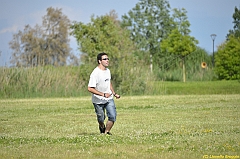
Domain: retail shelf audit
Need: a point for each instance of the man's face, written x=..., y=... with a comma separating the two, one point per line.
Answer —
x=105, y=61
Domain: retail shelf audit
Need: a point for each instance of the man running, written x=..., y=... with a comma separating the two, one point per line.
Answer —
x=102, y=94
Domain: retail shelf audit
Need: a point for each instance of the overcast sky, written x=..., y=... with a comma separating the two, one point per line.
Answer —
x=206, y=17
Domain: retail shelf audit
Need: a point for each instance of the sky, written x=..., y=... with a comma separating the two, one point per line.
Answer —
x=205, y=16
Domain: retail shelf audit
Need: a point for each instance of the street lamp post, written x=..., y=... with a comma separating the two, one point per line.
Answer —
x=213, y=36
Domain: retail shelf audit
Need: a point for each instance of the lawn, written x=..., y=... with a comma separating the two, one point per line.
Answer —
x=166, y=126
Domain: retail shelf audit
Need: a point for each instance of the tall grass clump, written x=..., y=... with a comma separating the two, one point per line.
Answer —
x=41, y=82
x=65, y=81
x=171, y=69
x=72, y=82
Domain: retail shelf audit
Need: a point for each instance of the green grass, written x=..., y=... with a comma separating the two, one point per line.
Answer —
x=167, y=126
x=196, y=87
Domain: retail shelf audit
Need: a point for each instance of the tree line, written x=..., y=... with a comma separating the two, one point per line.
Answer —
x=147, y=42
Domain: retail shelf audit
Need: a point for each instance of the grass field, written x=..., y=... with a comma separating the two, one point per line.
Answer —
x=167, y=126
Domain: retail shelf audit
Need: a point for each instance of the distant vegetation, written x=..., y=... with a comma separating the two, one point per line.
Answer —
x=72, y=82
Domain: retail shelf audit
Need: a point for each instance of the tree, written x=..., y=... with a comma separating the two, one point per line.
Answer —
x=43, y=45
x=227, y=61
x=25, y=46
x=149, y=22
x=236, y=21
x=104, y=34
x=56, y=26
x=179, y=42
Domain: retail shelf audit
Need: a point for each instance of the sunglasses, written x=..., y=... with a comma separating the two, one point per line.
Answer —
x=105, y=59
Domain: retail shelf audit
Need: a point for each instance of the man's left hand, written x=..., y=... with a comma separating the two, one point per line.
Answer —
x=117, y=96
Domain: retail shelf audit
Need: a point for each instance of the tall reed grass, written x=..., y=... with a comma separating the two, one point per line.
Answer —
x=41, y=82
x=72, y=82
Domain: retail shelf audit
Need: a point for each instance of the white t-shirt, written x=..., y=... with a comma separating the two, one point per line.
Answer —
x=100, y=80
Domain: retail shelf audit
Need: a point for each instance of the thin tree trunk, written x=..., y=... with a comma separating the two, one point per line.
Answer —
x=184, y=71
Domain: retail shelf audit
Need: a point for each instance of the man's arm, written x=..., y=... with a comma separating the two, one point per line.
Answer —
x=94, y=91
x=114, y=93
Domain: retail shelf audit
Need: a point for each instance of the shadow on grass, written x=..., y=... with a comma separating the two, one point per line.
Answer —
x=87, y=134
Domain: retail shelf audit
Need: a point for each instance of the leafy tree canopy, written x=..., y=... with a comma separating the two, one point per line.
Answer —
x=149, y=22
x=227, y=59
x=43, y=45
x=179, y=42
x=236, y=21
x=104, y=34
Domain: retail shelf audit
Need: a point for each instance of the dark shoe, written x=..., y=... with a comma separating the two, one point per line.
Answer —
x=108, y=133
x=102, y=130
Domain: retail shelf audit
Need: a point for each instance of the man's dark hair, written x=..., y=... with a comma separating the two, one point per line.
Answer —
x=99, y=56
